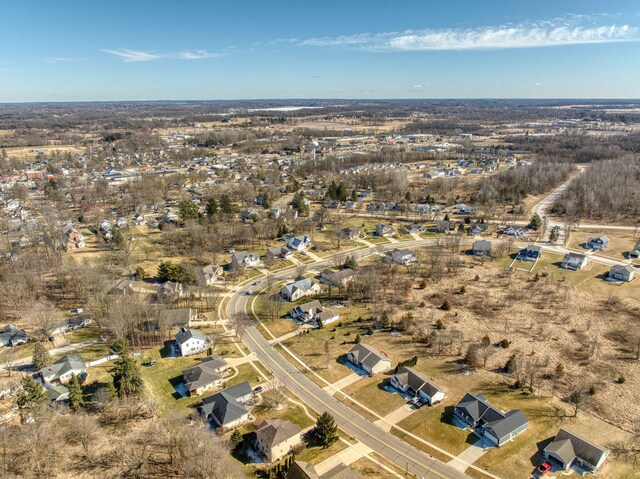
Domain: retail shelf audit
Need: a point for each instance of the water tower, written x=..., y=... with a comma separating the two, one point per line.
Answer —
x=313, y=144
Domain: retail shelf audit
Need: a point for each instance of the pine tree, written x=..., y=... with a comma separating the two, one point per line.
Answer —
x=225, y=205
x=235, y=440
x=358, y=339
x=41, y=357
x=31, y=396
x=536, y=222
x=188, y=210
x=212, y=207
x=76, y=398
x=326, y=430
x=127, y=380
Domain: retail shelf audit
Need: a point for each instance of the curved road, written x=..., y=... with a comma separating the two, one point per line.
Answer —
x=382, y=442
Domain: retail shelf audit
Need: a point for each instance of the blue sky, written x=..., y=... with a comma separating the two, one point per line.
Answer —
x=164, y=50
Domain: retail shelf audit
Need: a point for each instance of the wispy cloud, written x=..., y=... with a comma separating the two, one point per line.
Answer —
x=543, y=34
x=132, y=56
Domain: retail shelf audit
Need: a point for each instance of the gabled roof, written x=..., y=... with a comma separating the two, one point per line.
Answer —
x=224, y=406
x=504, y=426
x=500, y=424
x=574, y=258
x=618, y=268
x=304, y=284
x=64, y=365
x=275, y=431
x=568, y=445
x=204, y=373
x=368, y=355
x=185, y=335
x=416, y=381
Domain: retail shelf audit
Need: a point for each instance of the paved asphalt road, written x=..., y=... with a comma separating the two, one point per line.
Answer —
x=384, y=443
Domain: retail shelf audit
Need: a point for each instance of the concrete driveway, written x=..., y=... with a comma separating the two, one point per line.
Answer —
x=342, y=383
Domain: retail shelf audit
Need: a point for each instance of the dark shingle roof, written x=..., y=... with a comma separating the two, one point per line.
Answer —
x=417, y=382
x=275, y=431
x=500, y=424
x=203, y=373
x=568, y=445
x=224, y=406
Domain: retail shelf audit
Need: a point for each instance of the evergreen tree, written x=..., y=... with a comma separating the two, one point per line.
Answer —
x=139, y=274
x=41, y=357
x=326, y=430
x=235, y=440
x=341, y=192
x=127, y=380
x=554, y=236
x=212, y=207
x=354, y=196
x=76, y=398
x=225, y=205
x=31, y=396
x=188, y=210
x=358, y=339
x=536, y=222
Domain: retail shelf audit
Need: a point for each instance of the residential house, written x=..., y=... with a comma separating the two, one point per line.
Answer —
x=336, y=278
x=57, y=393
x=191, y=341
x=11, y=335
x=276, y=438
x=300, y=288
x=597, y=244
x=279, y=252
x=73, y=239
x=513, y=231
x=478, y=229
x=530, y=253
x=568, y=449
x=402, y=257
x=299, y=243
x=368, y=358
x=71, y=324
x=351, y=233
x=413, y=229
x=574, y=261
x=409, y=381
x=383, y=230
x=619, y=272
x=226, y=408
x=488, y=422
x=482, y=248
x=170, y=291
x=244, y=259
x=205, y=376
x=303, y=470
x=635, y=253
x=63, y=369
x=208, y=275
x=139, y=220
x=443, y=226
x=313, y=311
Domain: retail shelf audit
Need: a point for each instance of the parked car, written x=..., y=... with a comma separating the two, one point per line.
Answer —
x=544, y=467
x=250, y=292
x=256, y=283
x=257, y=389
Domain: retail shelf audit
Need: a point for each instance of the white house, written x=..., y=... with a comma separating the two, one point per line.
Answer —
x=244, y=260
x=299, y=288
x=63, y=369
x=313, y=311
x=403, y=257
x=299, y=243
x=409, y=381
x=191, y=341
x=208, y=275
x=568, y=449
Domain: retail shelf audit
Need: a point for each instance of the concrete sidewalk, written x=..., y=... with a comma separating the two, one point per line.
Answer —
x=470, y=455
x=342, y=383
x=346, y=456
x=394, y=417
x=232, y=362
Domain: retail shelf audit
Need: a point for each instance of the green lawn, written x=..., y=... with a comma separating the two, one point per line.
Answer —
x=316, y=455
x=83, y=334
x=369, y=392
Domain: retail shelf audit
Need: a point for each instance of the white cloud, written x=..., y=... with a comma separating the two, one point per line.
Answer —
x=543, y=34
x=132, y=56
x=417, y=86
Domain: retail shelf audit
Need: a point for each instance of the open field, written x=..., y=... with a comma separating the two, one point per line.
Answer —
x=621, y=241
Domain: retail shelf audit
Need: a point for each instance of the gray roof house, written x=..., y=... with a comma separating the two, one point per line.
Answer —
x=531, y=252
x=601, y=242
x=226, y=409
x=279, y=252
x=299, y=288
x=299, y=243
x=568, y=449
x=313, y=311
x=481, y=248
x=619, y=272
x=402, y=257
x=275, y=438
x=63, y=368
x=336, y=278
x=303, y=470
x=409, y=381
x=191, y=341
x=170, y=291
x=208, y=275
x=488, y=422
x=368, y=358
x=204, y=376
x=351, y=233
x=383, y=230
x=413, y=229
x=635, y=253
x=244, y=259
x=574, y=261
x=11, y=335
